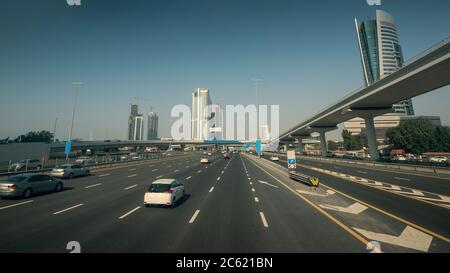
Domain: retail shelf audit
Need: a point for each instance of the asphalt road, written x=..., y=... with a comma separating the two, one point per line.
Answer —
x=233, y=206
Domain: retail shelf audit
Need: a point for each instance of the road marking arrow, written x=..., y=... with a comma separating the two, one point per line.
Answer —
x=329, y=192
x=443, y=198
x=410, y=238
x=355, y=208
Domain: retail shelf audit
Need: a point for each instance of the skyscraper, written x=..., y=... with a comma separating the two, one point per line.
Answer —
x=201, y=102
x=152, y=126
x=135, y=124
x=381, y=53
x=216, y=129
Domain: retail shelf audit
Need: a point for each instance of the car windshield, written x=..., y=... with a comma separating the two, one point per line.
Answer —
x=159, y=187
x=16, y=179
x=64, y=167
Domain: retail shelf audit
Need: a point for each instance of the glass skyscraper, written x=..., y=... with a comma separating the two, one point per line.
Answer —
x=152, y=126
x=381, y=53
x=201, y=101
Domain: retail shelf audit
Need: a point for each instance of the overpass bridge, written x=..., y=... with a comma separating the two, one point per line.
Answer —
x=428, y=71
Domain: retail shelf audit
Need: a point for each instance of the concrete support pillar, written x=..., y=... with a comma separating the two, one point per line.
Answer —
x=372, y=138
x=323, y=143
x=286, y=147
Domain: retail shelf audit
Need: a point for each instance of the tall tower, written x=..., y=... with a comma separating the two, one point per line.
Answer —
x=201, y=101
x=381, y=53
x=152, y=126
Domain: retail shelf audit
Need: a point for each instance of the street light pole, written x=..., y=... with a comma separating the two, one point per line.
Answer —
x=77, y=84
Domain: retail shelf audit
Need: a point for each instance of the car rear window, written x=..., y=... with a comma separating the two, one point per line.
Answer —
x=16, y=179
x=159, y=187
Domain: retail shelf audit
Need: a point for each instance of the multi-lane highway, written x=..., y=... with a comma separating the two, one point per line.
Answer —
x=242, y=205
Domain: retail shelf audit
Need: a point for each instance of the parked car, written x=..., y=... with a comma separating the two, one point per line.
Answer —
x=164, y=192
x=204, y=160
x=26, y=185
x=274, y=158
x=85, y=160
x=438, y=159
x=26, y=164
x=69, y=171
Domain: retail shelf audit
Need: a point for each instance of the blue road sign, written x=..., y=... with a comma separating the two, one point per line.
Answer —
x=258, y=146
x=292, y=161
x=68, y=147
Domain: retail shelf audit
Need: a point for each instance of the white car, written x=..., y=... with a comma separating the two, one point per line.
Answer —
x=274, y=158
x=204, y=160
x=210, y=154
x=164, y=192
x=438, y=159
x=69, y=171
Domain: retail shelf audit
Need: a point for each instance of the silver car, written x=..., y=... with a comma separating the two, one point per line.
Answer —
x=26, y=164
x=69, y=171
x=26, y=185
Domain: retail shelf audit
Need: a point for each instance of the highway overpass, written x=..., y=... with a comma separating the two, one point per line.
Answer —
x=426, y=72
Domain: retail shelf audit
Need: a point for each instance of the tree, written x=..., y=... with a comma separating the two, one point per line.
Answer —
x=42, y=136
x=332, y=145
x=417, y=136
x=354, y=142
x=442, y=138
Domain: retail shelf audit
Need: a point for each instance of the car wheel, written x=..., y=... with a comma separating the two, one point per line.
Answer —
x=59, y=187
x=88, y=173
x=38, y=167
x=173, y=203
x=70, y=175
x=27, y=193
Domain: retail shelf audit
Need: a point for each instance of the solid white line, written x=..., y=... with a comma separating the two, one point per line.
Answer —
x=103, y=175
x=133, y=175
x=263, y=219
x=130, y=212
x=130, y=187
x=194, y=216
x=91, y=186
x=212, y=188
x=154, y=170
x=253, y=190
x=189, y=177
x=159, y=176
x=256, y=199
x=64, y=210
x=18, y=204
x=400, y=178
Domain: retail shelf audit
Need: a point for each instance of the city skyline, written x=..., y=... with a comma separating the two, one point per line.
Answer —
x=274, y=53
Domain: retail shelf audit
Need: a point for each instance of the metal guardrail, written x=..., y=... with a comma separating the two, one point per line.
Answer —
x=310, y=180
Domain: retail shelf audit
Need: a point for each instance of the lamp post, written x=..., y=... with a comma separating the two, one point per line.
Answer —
x=76, y=84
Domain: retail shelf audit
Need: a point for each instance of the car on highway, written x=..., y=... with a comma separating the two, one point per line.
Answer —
x=226, y=156
x=204, y=160
x=210, y=154
x=69, y=171
x=26, y=164
x=274, y=158
x=85, y=160
x=26, y=185
x=438, y=159
x=164, y=192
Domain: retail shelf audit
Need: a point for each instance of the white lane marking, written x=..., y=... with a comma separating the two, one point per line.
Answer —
x=187, y=167
x=223, y=171
x=91, y=186
x=133, y=175
x=410, y=238
x=249, y=178
x=159, y=176
x=199, y=171
x=194, y=216
x=266, y=183
x=130, y=187
x=253, y=189
x=401, y=178
x=130, y=212
x=189, y=177
x=176, y=171
x=103, y=175
x=256, y=199
x=263, y=219
x=218, y=178
x=151, y=165
x=154, y=170
x=17, y=204
x=329, y=192
x=443, y=198
x=212, y=188
x=251, y=183
x=355, y=208
x=170, y=166
x=132, y=169
x=362, y=172
x=64, y=210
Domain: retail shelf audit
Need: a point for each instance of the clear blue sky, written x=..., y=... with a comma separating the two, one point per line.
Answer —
x=160, y=50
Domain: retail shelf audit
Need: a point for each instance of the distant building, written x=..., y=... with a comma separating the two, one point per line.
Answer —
x=383, y=123
x=200, y=116
x=381, y=53
x=216, y=130
x=152, y=126
x=135, y=124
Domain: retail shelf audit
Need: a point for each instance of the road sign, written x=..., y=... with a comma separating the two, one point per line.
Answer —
x=68, y=147
x=292, y=161
x=258, y=146
x=292, y=166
